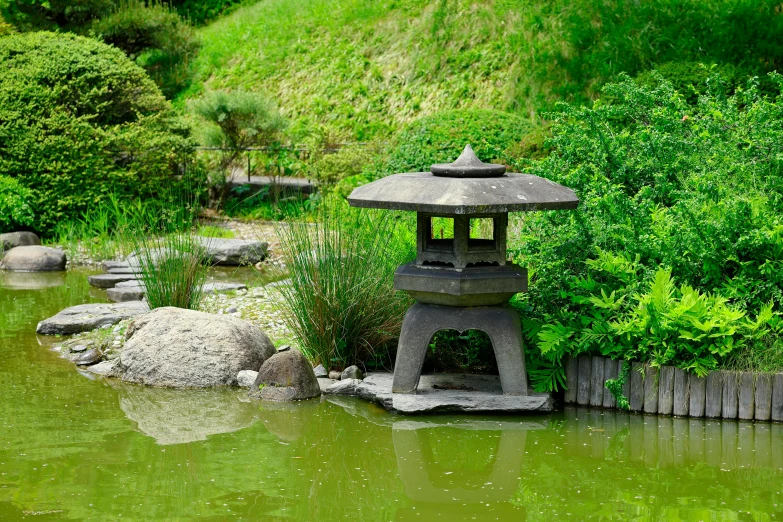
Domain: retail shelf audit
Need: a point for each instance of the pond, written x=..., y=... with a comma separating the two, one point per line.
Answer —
x=79, y=448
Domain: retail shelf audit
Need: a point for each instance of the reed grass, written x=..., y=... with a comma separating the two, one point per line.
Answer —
x=173, y=269
x=340, y=301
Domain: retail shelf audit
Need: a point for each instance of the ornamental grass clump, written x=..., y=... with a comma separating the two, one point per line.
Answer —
x=340, y=301
x=173, y=270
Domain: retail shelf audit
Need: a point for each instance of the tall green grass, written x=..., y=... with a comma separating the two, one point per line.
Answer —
x=173, y=269
x=340, y=301
x=103, y=232
x=360, y=70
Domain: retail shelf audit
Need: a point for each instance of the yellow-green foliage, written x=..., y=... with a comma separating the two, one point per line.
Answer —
x=363, y=69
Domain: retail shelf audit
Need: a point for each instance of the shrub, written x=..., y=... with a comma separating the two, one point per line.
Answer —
x=202, y=11
x=696, y=190
x=79, y=121
x=36, y=15
x=494, y=135
x=15, y=210
x=155, y=37
x=330, y=169
x=340, y=301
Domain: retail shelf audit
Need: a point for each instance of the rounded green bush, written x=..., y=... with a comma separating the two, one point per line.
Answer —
x=80, y=121
x=440, y=138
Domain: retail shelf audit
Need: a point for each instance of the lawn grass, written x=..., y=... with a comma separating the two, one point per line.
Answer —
x=359, y=70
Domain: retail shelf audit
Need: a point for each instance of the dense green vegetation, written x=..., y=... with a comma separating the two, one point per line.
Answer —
x=79, y=122
x=15, y=209
x=359, y=70
x=674, y=255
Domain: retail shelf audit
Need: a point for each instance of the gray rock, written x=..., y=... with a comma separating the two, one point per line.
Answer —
x=102, y=368
x=11, y=240
x=79, y=348
x=284, y=348
x=335, y=375
x=352, y=372
x=108, y=265
x=286, y=376
x=109, y=280
x=130, y=284
x=246, y=378
x=89, y=357
x=126, y=293
x=233, y=252
x=33, y=259
x=344, y=387
x=320, y=372
x=219, y=288
x=179, y=348
x=86, y=317
x=122, y=270
x=231, y=310
x=443, y=393
x=325, y=384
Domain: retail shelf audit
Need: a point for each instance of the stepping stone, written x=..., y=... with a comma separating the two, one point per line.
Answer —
x=108, y=265
x=33, y=259
x=86, y=317
x=109, y=280
x=126, y=293
x=234, y=252
x=222, y=287
x=121, y=270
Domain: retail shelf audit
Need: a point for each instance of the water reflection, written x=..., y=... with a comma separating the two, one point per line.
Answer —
x=180, y=416
x=31, y=280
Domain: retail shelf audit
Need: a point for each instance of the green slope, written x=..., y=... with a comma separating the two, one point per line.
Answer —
x=359, y=69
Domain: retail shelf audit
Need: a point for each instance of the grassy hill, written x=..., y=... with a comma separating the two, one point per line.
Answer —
x=359, y=69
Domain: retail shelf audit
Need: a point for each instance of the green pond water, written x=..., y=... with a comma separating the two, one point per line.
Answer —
x=76, y=448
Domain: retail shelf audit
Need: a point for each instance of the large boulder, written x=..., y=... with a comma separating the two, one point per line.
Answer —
x=16, y=239
x=233, y=252
x=86, y=317
x=179, y=348
x=286, y=376
x=33, y=259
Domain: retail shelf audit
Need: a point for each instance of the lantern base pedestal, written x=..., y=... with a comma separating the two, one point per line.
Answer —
x=500, y=323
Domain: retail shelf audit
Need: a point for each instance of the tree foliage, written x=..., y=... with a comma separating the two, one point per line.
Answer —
x=80, y=121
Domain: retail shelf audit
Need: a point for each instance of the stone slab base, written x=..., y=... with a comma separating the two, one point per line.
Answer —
x=445, y=393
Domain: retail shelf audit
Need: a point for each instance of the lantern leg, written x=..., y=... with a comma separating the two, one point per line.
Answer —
x=501, y=324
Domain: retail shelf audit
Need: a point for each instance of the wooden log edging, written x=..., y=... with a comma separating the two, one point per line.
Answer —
x=671, y=391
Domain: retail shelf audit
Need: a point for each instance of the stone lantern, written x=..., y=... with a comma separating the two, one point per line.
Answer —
x=463, y=281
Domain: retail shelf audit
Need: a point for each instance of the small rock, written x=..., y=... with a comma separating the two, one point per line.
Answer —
x=284, y=348
x=79, y=348
x=109, y=280
x=81, y=318
x=233, y=252
x=352, y=372
x=286, y=376
x=320, y=372
x=89, y=357
x=325, y=384
x=231, y=310
x=246, y=378
x=335, y=375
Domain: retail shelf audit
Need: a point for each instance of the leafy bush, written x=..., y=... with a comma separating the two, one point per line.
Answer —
x=494, y=136
x=202, y=11
x=155, y=37
x=330, y=169
x=696, y=190
x=15, y=210
x=340, y=301
x=36, y=15
x=80, y=121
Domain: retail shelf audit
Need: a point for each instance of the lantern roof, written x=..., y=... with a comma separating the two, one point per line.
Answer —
x=467, y=186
